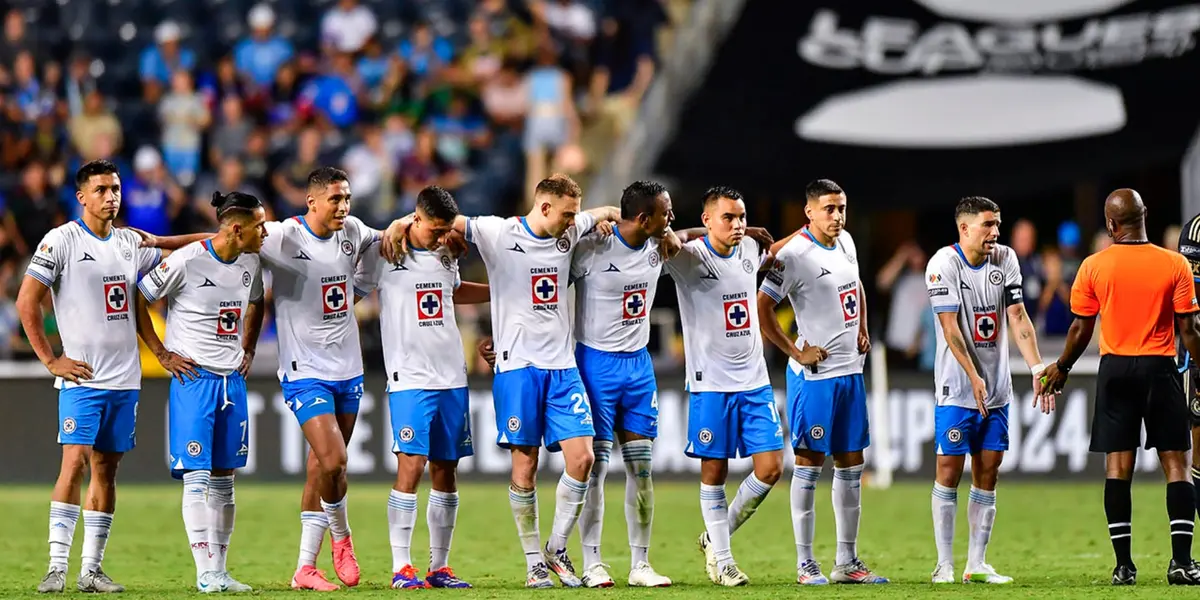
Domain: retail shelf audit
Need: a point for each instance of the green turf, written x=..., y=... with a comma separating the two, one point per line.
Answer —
x=1051, y=538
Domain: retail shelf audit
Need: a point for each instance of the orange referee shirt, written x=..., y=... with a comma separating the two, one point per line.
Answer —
x=1136, y=289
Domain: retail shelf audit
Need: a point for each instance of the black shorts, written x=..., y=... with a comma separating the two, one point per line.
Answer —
x=1191, y=391
x=1131, y=390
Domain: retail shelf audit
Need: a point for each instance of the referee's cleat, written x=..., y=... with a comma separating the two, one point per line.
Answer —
x=53, y=583
x=1125, y=575
x=1183, y=574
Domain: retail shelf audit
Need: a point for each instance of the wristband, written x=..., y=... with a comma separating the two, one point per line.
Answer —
x=1038, y=369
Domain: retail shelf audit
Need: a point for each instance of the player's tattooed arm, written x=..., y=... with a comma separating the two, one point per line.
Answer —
x=953, y=335
x=177, y=365
x=472, y=293
x=1024, y=335
x=29, y=308
x=253, y=321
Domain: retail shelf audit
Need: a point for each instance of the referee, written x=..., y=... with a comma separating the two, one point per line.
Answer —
x=1141, y=293
x=1189, y=247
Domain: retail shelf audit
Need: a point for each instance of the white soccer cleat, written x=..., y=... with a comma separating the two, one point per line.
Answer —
x=731, y=576
x=710, y=560
x=643, y=575
x=984, y=574
x=944, y=573
x=855, y=571
x=809, y=573
x=538, y=577
x=209, y=582
x=560, y=564
x=233, y=585
x=596, y=576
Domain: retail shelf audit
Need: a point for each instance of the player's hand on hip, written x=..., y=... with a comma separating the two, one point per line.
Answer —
x=149, y=240
x=71, y=370
x=247, y=360
x=487, y=351
x=811, y=355
x=604, y=228
x=762, y=236
x=979, y=390
x=178, y=366
x=395, y=239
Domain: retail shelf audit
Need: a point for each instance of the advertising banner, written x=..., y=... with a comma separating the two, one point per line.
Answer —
x=1053, y=447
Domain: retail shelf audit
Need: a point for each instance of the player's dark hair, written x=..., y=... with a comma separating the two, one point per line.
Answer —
x=437, y=203
x=821, y=187
x=234, y=205
x=92, y=169
x=641, y=198
x=973, y=205
x=717, y=192
x=320, y=178
x=559, y=185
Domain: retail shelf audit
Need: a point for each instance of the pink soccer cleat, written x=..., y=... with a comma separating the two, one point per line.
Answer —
x=345, y=564
x=309, y=578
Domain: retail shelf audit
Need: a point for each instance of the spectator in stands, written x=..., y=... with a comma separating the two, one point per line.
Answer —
x=426, y=54
x=398, y=138
x=221, y=83
x=372, y=170
x=79, y=82
x=552, y=122
x=160, y=61
x=16, y=40
x=259, y=56
x=573, y=26
x=334, y=95
x=232, y=133
x=503, y=24
x=423, y=168
x=230, y=177
x=184, y=117
x=400, y=94
x=626, y=58
x=151, y=201
x=32, y=210
x=460, y=132
x=1024, y=242
x=1061, y=264
x=347, y=27
x=94, y=123
x=481, y=60
x=291, y=179
x=506, y=97
x=373, y=65
x=284, y=98
x=32, y=98
x=903, y=276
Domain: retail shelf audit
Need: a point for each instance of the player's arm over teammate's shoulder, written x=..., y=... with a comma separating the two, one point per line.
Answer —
x=168, y=243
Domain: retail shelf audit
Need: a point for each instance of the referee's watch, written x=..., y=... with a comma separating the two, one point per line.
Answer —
x=1061, y=367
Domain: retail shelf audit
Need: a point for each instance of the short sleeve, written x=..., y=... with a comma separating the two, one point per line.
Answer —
x=1185, y=289
x=585, y=254
x=1190, y=249
x=1083, y=292
x=47, y=261
x=782, y=278
x=166, y=279
x=684, y=263
x=941, y=281
x=485, y=232
x=366, y=236
x=148, y=258
x=584, y=223
x=366, y=275
x=272, y=246
x=1013, y=289
x=256, y=285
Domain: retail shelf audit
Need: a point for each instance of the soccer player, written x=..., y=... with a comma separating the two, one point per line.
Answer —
x=312, y=260
x=427, y=382
x=537, y=391
x=210, y=286
x=1141, y=293
x=1189, y=247
x=89, y=267
x=732, y=407
x=817, y=271
x=616, y=277
x=971, y=284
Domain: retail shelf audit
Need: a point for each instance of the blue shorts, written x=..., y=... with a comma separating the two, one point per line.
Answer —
x=208, y=423
x=106, y=420
x=622, y=390
x=828, y=415
x=962, y=430
x=535, y=405
x=433, y=423
x=732, y=424
x=311, y=397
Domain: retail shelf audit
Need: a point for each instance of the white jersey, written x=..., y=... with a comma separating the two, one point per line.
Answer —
x=615, y=285
x=90, y=281
x=978, y=296
x=722, y=344
x=207, y=300
x=422, y=349
x=823, y=286
x=314, y=305
x=530, y=324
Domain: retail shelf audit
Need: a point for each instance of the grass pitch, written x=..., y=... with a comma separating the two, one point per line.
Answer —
x=1050, y=538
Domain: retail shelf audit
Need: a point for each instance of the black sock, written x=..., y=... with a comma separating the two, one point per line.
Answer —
x=1196, y=481
x=1118, y=508
x=1181, y=509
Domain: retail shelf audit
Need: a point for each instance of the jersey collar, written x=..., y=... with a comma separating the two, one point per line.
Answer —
x=958, y=249
x=93, y=233
x=531, y=233
x=309, y=229
x=617, y=232
x=808, y=234
x=714, y=250
x=208, y=246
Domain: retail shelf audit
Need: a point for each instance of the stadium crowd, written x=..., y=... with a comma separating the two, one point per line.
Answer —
x=193, y=96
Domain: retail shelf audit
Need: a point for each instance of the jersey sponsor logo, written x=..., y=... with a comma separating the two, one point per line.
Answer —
x=1015, y=294
x=207, y=283
x=935, y=278
x=347, y=247
x=995, y=278
x=633, y=305
x=653, y=259
x=334, y=300
x=562, y=245
x=87, y=257
x=849, y=301
x=229, y=321
x=429, y=308
x=116, y=299
x=544, y=290
x=49, y=265
x=737, y=317
x=986, y=328
x=246, y=279
x=747, y=265
x=938, y=291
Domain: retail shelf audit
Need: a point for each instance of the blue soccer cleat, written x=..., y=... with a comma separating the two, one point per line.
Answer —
x=445, y=578
x=407, y=579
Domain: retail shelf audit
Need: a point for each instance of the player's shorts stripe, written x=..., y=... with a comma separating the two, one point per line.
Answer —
x=39, y=277
x=945, y=309
x=770, y=292
x=150, y=297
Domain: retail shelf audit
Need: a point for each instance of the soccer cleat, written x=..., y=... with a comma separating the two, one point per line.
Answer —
x=1183, y=574
x=97, y=582
x=596, y=576
x=560, y=564
x=984, y=574
x=809, y=573
x=231, y=584
x=538, y=577
x=445, y=578
x=643, y=575
x=407, y=579
x=209, y=582
x=1125, y=575
x=53, y=583
x=944, y=573
x=710, y=559
x=855, y=571
x=345, y=564
x=731, y=576
x=309, y=578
